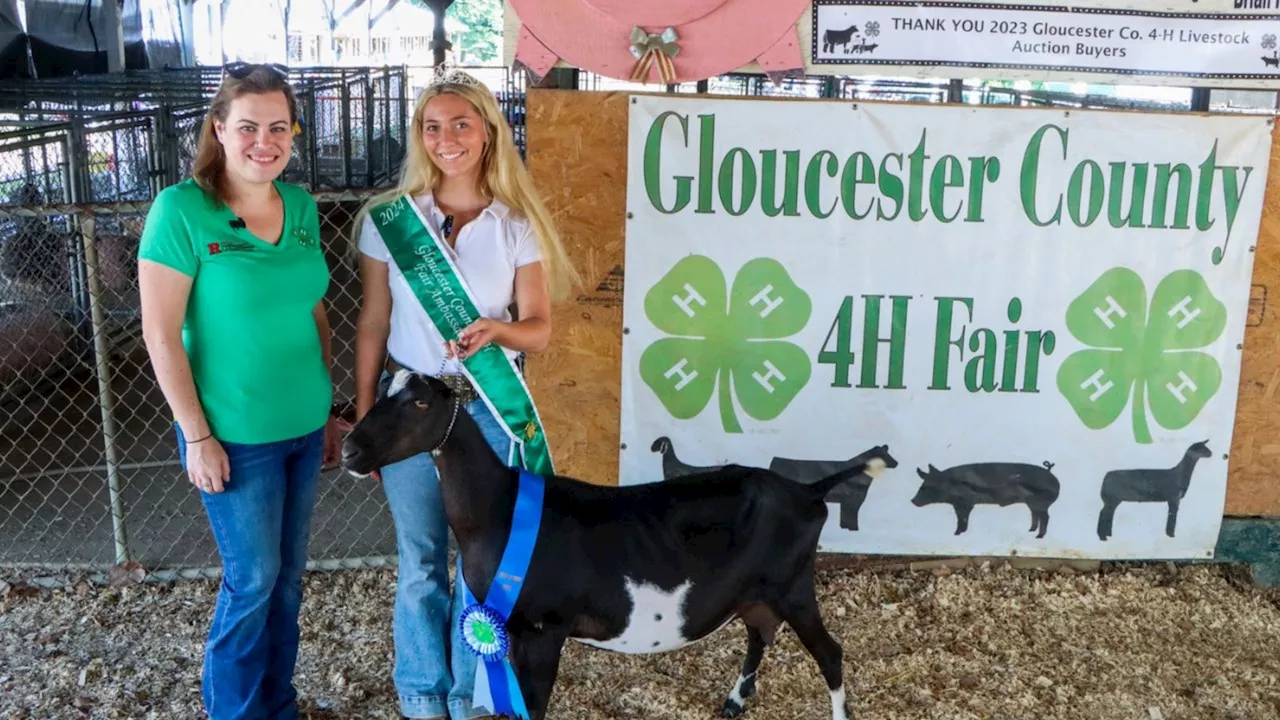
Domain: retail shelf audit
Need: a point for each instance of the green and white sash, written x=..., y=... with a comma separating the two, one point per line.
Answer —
x=449, y=303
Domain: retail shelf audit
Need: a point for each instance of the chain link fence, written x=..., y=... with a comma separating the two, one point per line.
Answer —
x=89, y=472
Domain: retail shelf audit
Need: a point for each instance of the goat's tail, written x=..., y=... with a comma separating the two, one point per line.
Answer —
x=829, y=483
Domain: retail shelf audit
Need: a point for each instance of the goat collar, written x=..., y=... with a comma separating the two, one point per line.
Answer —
x=435, y=451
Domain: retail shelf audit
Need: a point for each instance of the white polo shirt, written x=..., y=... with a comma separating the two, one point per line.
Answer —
x=486, y=252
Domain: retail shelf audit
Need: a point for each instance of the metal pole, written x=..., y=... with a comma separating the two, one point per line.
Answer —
x=105, y=399
x=113, y=19
x=368, y=85
x=346, y=132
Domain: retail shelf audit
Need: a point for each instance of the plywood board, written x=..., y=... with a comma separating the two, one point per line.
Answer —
x=1253, y=484
x=578, y=157
x=577, y=154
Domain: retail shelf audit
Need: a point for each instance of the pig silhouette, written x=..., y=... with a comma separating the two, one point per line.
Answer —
x=1003, y=484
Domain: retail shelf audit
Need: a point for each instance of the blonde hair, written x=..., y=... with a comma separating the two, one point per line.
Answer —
x=503, y=177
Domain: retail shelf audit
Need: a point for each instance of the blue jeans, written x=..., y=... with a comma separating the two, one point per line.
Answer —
x=261, y=522
x=434, y=671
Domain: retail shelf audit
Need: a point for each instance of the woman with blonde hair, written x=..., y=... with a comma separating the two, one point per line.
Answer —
x=464, y=220
x=232, y=280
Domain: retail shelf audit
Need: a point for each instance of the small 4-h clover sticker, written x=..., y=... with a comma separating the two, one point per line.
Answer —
x=1149, y=355
x=729, y=341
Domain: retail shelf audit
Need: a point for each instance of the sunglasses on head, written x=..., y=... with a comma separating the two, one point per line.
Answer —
x=241, y=70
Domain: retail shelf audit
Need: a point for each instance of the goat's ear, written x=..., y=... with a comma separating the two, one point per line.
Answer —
x=932, y=469
x=922, y=474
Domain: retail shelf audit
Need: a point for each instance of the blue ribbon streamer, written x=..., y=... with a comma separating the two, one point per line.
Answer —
x=505, y=589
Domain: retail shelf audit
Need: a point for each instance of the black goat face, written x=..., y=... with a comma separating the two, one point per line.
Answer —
x=411, y=418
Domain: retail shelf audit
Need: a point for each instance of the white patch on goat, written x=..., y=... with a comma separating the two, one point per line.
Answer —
x=837, y=704
x=876, y=467
x=655, y=623
x=399, y=381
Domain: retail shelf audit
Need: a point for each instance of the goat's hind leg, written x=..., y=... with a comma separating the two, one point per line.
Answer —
x=801, y=611
x=745, y=687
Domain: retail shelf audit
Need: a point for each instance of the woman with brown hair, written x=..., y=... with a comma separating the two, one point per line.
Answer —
x=232, y=280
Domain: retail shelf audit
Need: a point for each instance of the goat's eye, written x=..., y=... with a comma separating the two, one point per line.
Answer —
x=420, y=403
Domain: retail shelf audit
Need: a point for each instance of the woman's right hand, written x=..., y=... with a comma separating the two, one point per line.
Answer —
x=207, y=465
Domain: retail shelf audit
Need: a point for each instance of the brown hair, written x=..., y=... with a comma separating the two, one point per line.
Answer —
x=210, y=164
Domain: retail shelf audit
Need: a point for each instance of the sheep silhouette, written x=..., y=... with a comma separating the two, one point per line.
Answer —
x=671, y=465
x=1166, y=485
x=1273, y=61
x=996, y=483
x=850, y=494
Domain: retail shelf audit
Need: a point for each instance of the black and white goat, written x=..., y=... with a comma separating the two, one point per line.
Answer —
x=636, y=569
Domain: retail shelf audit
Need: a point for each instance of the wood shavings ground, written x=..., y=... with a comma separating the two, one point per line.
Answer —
x=980, y=643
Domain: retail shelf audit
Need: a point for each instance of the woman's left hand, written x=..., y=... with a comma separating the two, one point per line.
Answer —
x=476, y=335
x=332, y=443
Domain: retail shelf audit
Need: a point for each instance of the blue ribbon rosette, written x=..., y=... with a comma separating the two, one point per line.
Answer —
x=484, y=625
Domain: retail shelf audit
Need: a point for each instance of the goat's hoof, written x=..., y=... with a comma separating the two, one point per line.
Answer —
x=732, y=709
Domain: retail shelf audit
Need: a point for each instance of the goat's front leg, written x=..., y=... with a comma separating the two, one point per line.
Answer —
x=1171, y=523
x=535, y=657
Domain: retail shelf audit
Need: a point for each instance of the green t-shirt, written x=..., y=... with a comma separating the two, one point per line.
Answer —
x=249, y=330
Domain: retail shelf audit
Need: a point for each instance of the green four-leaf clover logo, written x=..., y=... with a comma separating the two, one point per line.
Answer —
x=729, y=341
x=1150, y=355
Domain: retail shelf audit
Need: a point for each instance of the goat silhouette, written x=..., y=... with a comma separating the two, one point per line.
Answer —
x=1162, y=485
x=1273, y=61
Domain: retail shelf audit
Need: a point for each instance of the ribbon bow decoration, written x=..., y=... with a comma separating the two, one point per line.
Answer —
x=649, y=48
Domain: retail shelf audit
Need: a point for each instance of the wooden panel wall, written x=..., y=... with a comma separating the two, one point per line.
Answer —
x=577, y=153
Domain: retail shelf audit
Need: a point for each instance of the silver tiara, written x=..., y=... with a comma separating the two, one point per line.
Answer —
x=454, y=77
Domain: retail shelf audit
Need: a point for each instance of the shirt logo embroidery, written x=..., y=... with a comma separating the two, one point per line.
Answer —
x=227, y=246
x=304, y=238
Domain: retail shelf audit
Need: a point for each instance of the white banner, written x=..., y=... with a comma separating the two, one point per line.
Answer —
x=1035, y=316
x=1058, y=38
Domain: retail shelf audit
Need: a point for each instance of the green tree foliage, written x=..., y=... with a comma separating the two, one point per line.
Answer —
x=479, y=43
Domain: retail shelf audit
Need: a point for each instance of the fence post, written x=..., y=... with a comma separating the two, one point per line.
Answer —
x=106, y=400
x=346, y=132
x=370, y=117
x=313, y=143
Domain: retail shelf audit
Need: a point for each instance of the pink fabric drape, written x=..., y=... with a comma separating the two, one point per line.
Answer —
x=713, y=36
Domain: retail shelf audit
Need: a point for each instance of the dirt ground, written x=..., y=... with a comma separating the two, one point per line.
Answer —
x=985, y=643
